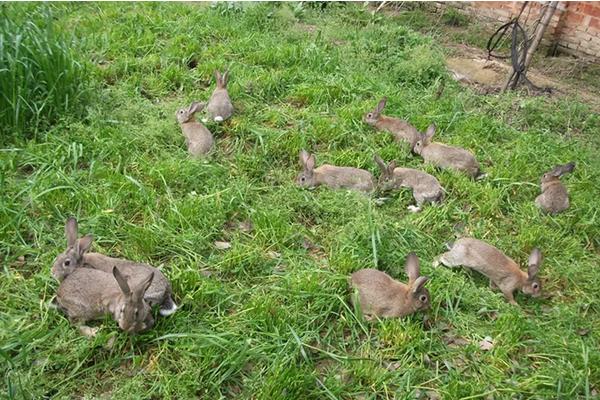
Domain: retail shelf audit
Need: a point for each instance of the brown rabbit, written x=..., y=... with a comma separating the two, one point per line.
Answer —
x=382, y=296
x=219, y=106
x=198, y=138
x=332, y=176
x=554, y=198
x=88, y=294
x=502, y=271
x=425, y=188
x=445, y=156
x=400, y=129
x=76, y=257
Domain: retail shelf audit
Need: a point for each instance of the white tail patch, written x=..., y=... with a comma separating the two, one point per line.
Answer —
x=218, y=118
x=481, y=176
x=413, y=209
x=168, y=311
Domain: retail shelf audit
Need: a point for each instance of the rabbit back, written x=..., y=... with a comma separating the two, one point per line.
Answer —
x=457, y=158
x=219, y=106
x=425, y=187
x=343, y=177
x=554, y=198
x=400, y=129
x=86, y=294
x=379, y=294
x=198, y=138
x=160, y=288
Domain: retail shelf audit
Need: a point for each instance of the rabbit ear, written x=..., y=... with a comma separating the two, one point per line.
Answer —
x=225, y=79
x=144, y=285
x=422, y=280
x=303, y=157
x=412, y=268
x=83, y=244
x=121, y=281
x=560, y=170
x=381, y=105
x=310, y=163
x=71, y=231
x=218, y=77
x=195, y=107
x=535, y=261
x=392, y=167
x=380, y=163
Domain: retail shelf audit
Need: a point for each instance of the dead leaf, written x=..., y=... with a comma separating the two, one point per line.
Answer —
x=454, y=341
x=426, y=395
x=392, y=366
x=583, y=331
x=110, y=343
x=88, y=331
x=207, y=273
x=222, y=245
x=273, y=254
x=486, y=344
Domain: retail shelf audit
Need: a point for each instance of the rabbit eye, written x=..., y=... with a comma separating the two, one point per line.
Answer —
x=303, y=179
x=369, y=115
x=535, y=286
x=67, y=263
x=423, y=298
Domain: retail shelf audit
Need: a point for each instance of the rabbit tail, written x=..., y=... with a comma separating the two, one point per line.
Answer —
x=168, y=307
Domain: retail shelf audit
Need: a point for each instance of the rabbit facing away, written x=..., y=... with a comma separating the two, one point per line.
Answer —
x=554, y=198
x=399, y=128
x=77, y=257
x=89, y=294
x=332, y=176
x=198, y=138
x=502, y=271
x=381, y=296
x=425, y=188
x=219, y=105
x=445, y=156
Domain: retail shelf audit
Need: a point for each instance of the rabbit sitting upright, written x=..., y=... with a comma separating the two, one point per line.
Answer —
x=502, y=271
x=219, y=105
x=554, y=198
x=76, y=257
x=380, y=295
x=399, y=128
x=445, y=156
x=88, y=294
x=198, y=138
x=425, y=188
x=332, y=176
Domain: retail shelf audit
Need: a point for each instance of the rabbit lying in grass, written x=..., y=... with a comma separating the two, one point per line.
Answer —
x=219, y=105
x=76, y=257
x=198, y=138
x=445, y=156
x=425, y=188
x=88, y=294
x=380, y=295
x=332, y=176
x=554, y=198
x=400, y=129
x=502, y=271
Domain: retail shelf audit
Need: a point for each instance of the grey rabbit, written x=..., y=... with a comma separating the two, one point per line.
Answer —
x=399, y=128
x=198, y=138
x=554, y=198
x=77, y=257
x=219, y=105
x=89, y=294
x=425, y=187
x=332, y=176
x=380, y=295
x=502, y=271
x=445, y=156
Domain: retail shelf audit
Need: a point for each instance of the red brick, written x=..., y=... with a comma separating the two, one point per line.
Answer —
x=594, y=24
x=573, y=18
x=594, y=11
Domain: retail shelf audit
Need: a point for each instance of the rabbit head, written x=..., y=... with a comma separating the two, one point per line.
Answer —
x=386, y=179
x=184, y=115
x=425, y=139
x=222, y=79
x=132, y=312
x=372, y=117
x=418, y=294
x=66, y=262
x=533, y=285
x=305, y=178
x=555, y=173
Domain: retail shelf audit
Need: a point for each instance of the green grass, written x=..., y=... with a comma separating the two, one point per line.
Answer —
x=40, y=78
x=269, y=318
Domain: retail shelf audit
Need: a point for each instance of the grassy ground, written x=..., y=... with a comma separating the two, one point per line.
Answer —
x=269, y=318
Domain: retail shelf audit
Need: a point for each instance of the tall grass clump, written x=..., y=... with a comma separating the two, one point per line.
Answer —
x=40, y=78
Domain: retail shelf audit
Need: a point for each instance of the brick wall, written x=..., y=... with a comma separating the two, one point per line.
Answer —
x=574, y=28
